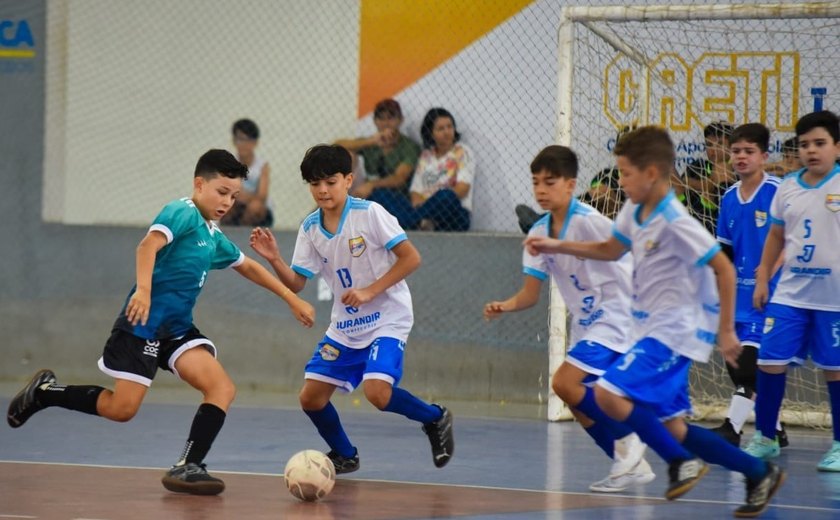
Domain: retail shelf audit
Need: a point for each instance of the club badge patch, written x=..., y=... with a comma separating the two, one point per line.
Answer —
x=832, y=202
x=760, y=218
x=329, y=353
x=357, y=246
x=768, y=324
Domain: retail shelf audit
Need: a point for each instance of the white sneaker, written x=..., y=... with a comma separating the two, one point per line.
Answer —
x=628, y=452
x=641, y=474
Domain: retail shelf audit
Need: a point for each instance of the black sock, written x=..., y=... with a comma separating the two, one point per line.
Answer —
x=208, y=420
x=73, y=397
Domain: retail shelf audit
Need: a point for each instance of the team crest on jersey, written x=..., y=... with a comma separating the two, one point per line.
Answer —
x=832, y=202
x=651, y=246
x=768, y=324
x=357, y=246
x=760, y=218
x=329, y=353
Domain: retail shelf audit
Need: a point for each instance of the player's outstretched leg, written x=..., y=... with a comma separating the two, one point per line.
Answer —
x=315, y=402
x=25, y=403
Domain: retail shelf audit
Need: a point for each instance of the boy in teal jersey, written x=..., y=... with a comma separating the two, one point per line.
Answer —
x=155, y=330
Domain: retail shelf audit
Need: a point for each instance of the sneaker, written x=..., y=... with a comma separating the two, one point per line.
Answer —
x=192, y=478
x=831, y=460
x=441, y=438
x=727, y=431
x=760, y=492
x=25, y=404
x=526, y=217
x=762, y=447
x=781, y=436
x=638, y=475
x=684, y=475
x=629, y=451
x=344, y=464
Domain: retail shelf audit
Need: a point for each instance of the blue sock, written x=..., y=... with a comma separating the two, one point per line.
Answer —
x=589, y=407
x=654, y=434
x=834, y=398
x=329, y=427
x=713, y=448
x=770, y=390
x=603, y=437
x=403, y=403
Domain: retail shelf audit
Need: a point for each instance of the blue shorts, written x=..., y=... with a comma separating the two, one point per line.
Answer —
x=749, y=332
x=593, y=358
x=653, y=375
x=346, y=367
x=792, y=334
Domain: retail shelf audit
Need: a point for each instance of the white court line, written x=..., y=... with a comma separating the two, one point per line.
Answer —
x=469, y=486
x=16, y=516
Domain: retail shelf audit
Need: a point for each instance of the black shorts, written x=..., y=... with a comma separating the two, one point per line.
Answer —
x=127, y=356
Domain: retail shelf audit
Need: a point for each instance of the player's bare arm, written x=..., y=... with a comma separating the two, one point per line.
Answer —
x=301, y=309
x=139, y=305
x=408, y=260
x=770, y=259
x=728, y=342
x=610, y=249
x=527, y=297
x=263, y=243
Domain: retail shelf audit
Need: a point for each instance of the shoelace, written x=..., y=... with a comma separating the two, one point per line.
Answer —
x=759, y=493
x=688, y=470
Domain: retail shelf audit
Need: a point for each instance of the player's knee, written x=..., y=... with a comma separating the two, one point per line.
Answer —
x=377, y=397
x=122, y=412
x=310, y=401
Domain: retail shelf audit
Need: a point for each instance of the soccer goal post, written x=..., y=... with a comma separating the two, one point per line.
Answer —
x=683, y=67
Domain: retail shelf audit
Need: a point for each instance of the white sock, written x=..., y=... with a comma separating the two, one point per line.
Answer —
x=779, y=423
x=740, y=409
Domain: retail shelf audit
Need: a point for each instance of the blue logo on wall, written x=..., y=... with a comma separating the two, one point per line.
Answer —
x=17, y=47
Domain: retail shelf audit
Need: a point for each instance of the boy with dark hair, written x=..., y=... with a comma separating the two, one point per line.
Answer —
x=676, y=314
x=253, y=206
x=598, y=298
x=803, y=316
x=707, y=179
x=742, y=228
x=155, y=329
x=364, y=256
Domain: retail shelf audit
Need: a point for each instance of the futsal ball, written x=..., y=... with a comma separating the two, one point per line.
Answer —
x=309, y=475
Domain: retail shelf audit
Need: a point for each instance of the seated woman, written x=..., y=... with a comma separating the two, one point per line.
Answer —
x=252, y=206
x=440, y=189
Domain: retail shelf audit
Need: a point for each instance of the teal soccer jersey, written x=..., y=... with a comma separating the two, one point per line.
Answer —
x=193, y=247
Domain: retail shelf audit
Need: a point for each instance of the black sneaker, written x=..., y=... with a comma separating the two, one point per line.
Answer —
x=781, y=436
x=441, y=438
x=684, y=475
x=727, y=431
x=344, y=464
x=192, y=478
x=760, y=492
x=526, y=217
x=25, y=404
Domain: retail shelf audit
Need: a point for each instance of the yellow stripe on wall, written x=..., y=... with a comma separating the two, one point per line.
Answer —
x=402, y=40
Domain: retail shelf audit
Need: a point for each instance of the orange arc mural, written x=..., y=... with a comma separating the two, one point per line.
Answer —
x=403, y=40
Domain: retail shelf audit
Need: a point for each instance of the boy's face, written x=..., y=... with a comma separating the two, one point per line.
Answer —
x=331, y=192
x=818, y=151
x=245, y=146
x=552, y=192
x=747, y=158
x=216, y=196
x=636, y=182
x=716, y=148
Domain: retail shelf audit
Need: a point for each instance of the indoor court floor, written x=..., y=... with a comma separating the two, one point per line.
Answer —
x=67, y=466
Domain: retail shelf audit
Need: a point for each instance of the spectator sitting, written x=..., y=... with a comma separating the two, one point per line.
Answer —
x=790, y=159
x=389, y=156
x=604, y=193
x=252, y=206
x=441, y=195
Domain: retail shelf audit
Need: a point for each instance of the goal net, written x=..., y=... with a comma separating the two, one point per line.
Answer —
x=684, y=67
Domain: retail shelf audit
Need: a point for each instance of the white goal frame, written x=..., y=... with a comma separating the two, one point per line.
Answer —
x=587, y=16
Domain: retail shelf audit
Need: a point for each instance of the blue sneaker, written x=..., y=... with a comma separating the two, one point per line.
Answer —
x=831, y=460
x=765, y=448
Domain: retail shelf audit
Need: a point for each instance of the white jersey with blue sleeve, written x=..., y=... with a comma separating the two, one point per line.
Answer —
x=355, y=256
x=811, y=218
x=597, y=293
x=193, y=247
x=675, y=298
x=743, y=224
